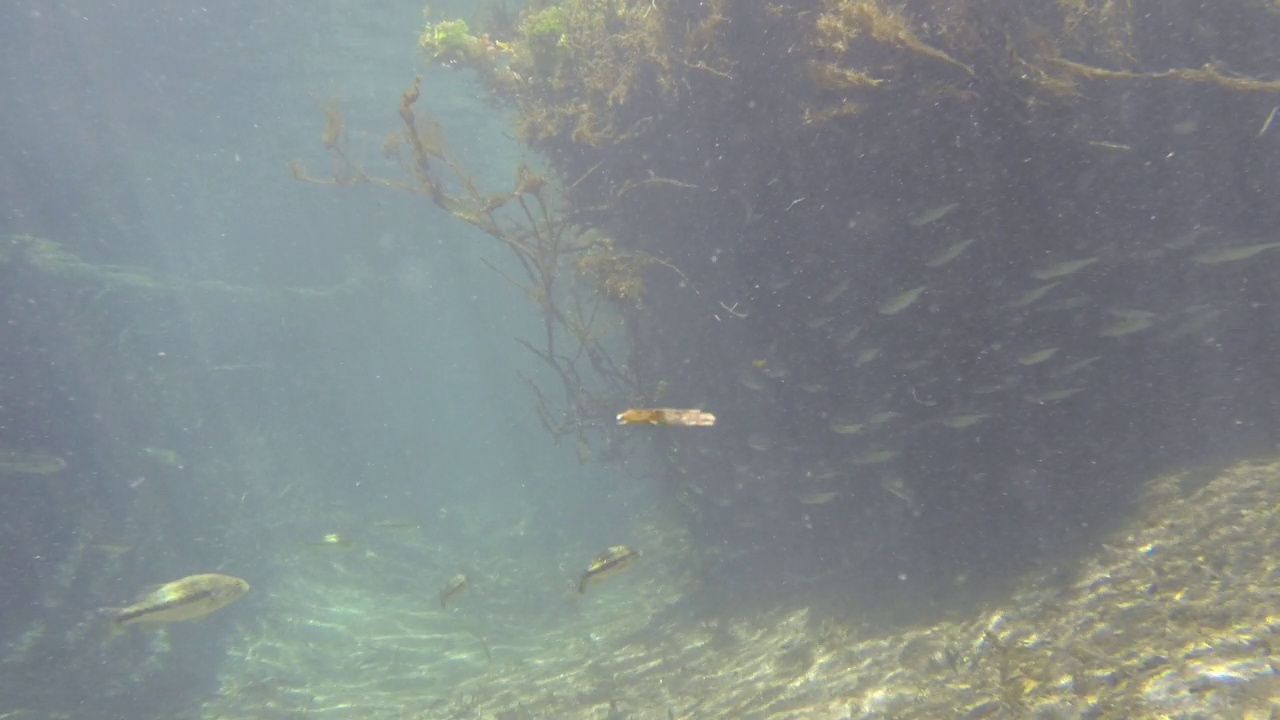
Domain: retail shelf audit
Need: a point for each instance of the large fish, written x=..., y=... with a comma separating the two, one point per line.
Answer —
x=190, y=598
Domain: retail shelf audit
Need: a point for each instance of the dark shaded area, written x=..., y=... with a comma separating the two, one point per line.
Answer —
x=806, y=164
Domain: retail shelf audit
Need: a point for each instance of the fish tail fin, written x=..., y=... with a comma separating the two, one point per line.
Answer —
x=112, y=627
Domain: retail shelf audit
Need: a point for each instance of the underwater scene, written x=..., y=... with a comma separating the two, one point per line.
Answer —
x=640, y=359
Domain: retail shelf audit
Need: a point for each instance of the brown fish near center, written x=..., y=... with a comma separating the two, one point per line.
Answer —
x=189, y=598
x=610, y=562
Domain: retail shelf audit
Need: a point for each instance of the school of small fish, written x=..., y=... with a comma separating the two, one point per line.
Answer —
x=1024, y=359
x=1053, y=337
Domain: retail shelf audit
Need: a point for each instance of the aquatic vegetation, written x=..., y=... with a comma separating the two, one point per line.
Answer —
x=552, y=252
x=618, y=274
x=573, y=68
x=448, y=41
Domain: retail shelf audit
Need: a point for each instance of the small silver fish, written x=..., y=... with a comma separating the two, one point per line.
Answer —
x=866, y=356
x=836, y=291
x=1215, y=257
x=960, y=422
x=1033, y=295
x=1037, y=357
x=932, y=215
x=1063, y=269
x=949, y=253
x=817, y=498
x=901, y=301
x=1131, y=321
x=1075, y=367
x=1051, y=395
x=875, y=457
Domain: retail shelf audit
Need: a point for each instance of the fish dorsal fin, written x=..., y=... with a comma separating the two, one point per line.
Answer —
x=148, y=591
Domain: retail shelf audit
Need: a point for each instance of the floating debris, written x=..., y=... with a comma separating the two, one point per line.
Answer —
x=666, y=416
x=949, y=253
x=190, y=598
x=900, y=302
x=457, y=585
x=610, y=562
x=1037, y=357
x=1063, y=269
x=1214, y=257
x=17, y=462
x=933, y=215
